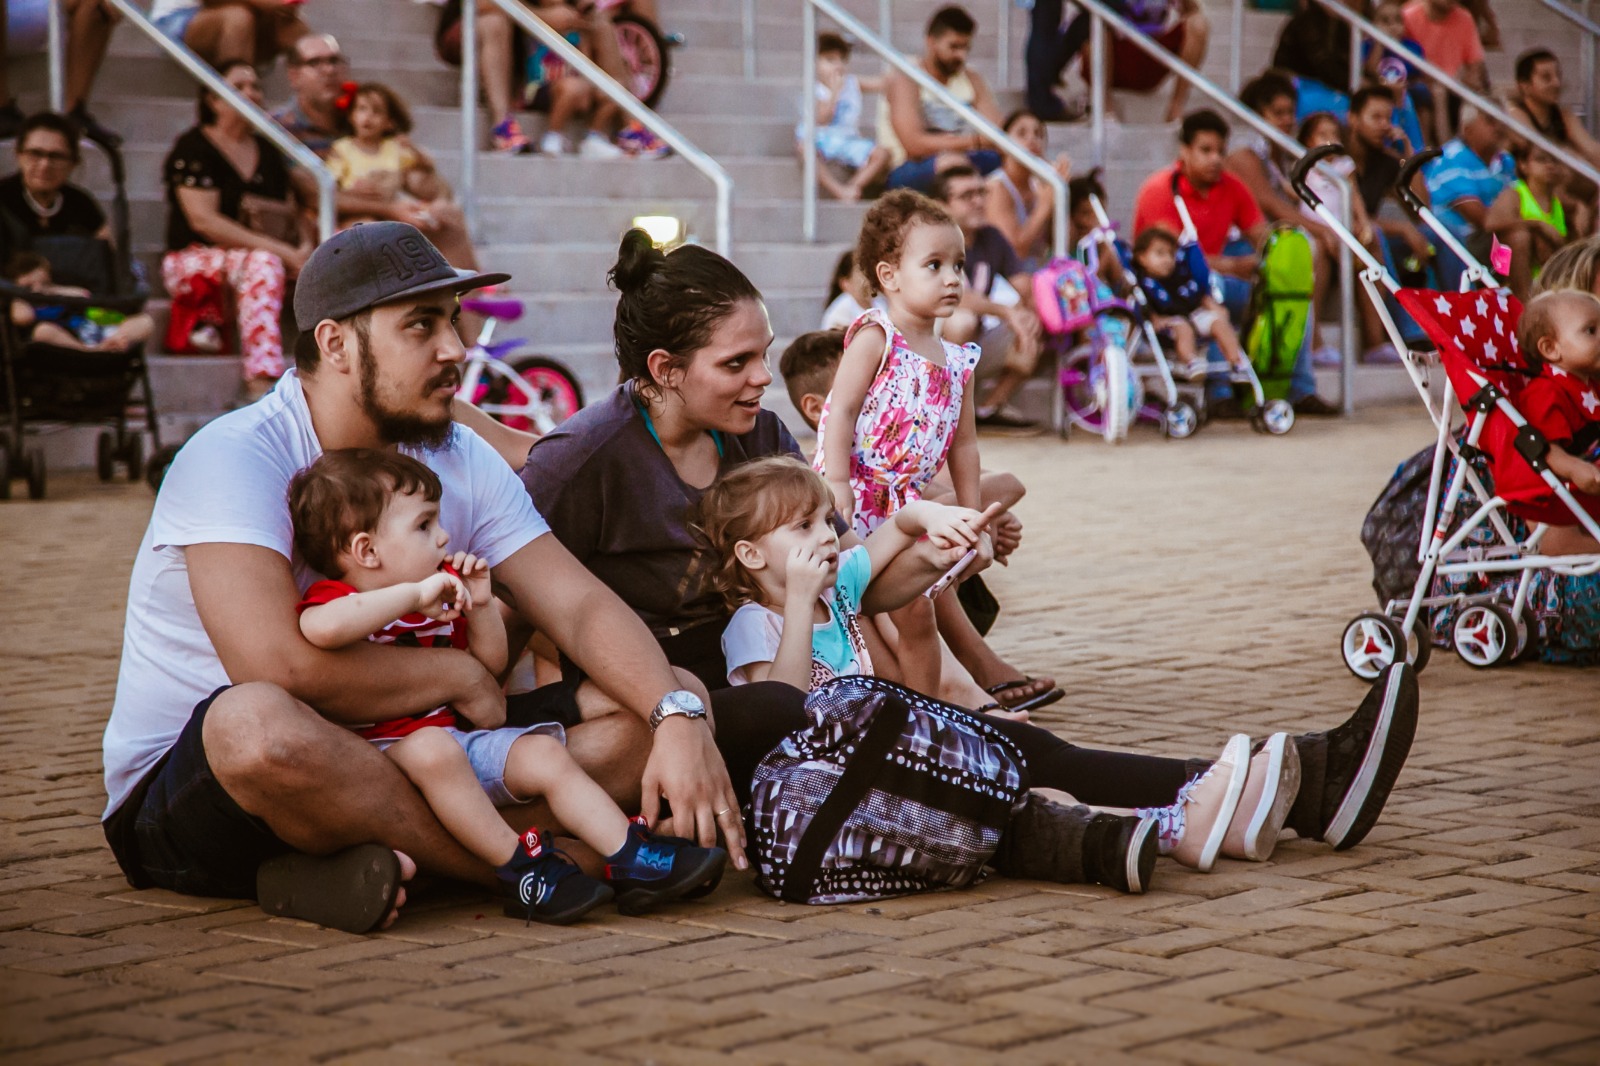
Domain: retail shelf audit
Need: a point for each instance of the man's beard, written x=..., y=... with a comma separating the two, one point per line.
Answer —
x=949, y=68
x=400, y=427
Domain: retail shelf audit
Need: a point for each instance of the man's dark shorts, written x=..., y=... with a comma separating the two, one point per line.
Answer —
x=180, y=830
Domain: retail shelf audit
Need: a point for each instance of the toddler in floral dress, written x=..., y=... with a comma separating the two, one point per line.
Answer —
x=900, y=406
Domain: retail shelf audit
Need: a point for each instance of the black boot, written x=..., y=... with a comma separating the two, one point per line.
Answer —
x=1046, y=841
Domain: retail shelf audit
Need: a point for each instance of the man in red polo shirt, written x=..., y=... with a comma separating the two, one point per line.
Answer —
x=1218, y=203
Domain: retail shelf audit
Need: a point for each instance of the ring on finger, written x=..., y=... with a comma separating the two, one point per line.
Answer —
x=725, y=810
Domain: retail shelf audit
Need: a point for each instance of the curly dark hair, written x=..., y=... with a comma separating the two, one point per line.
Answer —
x=669, y=300
x=883, y=230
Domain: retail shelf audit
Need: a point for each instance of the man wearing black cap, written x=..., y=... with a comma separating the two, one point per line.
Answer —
x=209, y=784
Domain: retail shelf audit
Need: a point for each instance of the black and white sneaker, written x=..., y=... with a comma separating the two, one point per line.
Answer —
x=1124, y=857
x=1348, y=772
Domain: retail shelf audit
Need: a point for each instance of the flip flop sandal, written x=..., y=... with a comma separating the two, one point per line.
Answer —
x=351, y=890
x=1043, y=699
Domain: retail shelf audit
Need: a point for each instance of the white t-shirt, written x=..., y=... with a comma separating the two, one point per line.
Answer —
x=837, y=647
x=230, y=485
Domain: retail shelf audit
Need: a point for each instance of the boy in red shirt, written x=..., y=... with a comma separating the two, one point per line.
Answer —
x=372, y=519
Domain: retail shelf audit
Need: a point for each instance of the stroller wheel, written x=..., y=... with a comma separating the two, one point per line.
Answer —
x=1373, y=641
x=1527, y=635
x=36, y=475
x=1486, y=635
x=1276, y=418
x=1180, y=421
x=105, y=455
x=133, y=455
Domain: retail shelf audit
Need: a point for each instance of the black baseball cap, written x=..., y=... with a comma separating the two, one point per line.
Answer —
x=375, y=263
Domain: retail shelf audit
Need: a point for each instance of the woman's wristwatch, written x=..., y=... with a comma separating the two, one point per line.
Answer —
x=679, y=702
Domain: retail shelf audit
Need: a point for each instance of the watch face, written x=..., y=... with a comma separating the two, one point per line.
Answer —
x=684, y=702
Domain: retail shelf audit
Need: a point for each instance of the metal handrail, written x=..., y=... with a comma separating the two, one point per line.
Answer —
x=264, y=124
x=1591, y=30
x=1362, y=27
x=613, y=90
x=1038, y=167
x=55, y=43
x=1102, y=16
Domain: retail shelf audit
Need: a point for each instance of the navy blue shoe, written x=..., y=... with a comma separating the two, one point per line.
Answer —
x=540, y=884
x=663, y=869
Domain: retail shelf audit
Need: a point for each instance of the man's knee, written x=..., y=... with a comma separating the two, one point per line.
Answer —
x=258, y=731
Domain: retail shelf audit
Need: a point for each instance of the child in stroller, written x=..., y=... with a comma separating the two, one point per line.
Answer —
x=1181, y=305
x=93, y=329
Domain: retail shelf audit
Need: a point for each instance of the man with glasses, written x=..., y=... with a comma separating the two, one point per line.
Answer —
x=38, y=201
x=994, y=308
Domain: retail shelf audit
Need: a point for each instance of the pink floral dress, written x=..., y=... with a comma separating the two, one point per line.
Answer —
x=906, y=425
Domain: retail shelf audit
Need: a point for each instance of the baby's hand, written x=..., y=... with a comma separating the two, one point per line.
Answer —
x=958, y=527
x=442, y=597
x=474, y=574
x=807, y=575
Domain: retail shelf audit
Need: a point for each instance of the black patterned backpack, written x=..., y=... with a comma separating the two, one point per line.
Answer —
x=887, y=792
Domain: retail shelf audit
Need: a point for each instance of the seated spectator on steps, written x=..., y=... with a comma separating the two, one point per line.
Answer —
x=1314, y=132
x=995, y=309
x=1021, y=206
x=563, y=94
x=1449, y=37
x=848, y=293
x=840, y=142
x=1314, y=47
x=1537, y=99
x=1462, y=183
x=1179, y=26
x=39, y=200
x=377, y=159
x=236, y=219
x=1218, y=202
x=1529, y=217
x=922, y=133
x=1412, y=94
x=24, y=30
x=317, y=73
x=223, y=31
x=1377, y=147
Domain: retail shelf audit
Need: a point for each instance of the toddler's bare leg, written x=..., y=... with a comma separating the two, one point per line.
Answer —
x=435, y=763
x=539, y=765
x=919, y=645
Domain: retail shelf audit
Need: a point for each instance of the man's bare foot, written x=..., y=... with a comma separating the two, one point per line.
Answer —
x=408, y=870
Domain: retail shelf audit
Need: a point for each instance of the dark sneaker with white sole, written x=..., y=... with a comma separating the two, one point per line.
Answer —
x=1121, y=852
x=540, y=884
x=663, y=869
x=1346, y=773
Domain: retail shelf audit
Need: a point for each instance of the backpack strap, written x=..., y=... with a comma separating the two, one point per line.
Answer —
x=889, y=716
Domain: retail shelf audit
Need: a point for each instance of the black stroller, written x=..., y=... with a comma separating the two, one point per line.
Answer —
x=41, y=384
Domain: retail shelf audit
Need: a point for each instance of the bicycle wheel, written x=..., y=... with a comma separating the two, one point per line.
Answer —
x=545, y=390
x=644, y=53
x=1084, y=392
x=1119, y=401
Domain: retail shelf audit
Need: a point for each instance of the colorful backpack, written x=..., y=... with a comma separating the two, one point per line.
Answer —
x=1063, y=296
x=887, y=792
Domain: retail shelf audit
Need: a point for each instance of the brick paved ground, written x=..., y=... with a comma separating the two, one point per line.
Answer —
x=1179, y=591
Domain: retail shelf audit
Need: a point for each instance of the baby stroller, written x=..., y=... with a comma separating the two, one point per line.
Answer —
x=1475, y=332
x=1178, y=411
x=1271, y=341
x=41, y=384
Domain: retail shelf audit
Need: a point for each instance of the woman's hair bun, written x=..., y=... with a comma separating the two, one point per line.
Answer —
x=638, y=259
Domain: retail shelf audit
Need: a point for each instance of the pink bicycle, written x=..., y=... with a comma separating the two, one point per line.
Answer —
x=530, y=392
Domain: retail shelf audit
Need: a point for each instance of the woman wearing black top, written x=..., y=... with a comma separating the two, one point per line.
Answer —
x=234, y=220
x=616, y=483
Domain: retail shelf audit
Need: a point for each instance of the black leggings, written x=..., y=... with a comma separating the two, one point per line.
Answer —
x=752, y=719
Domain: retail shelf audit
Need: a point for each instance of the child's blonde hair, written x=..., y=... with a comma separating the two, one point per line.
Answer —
x=884, y=228
x=750, y=502
x=1538, y=322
